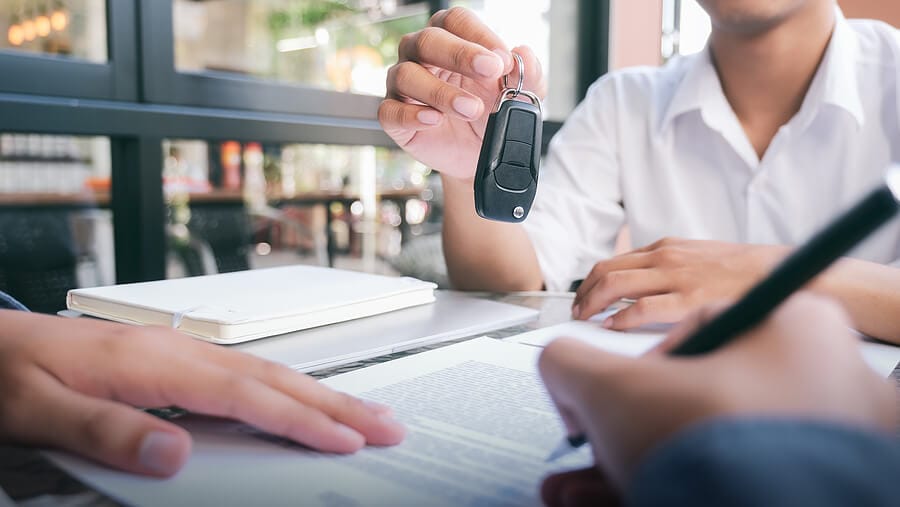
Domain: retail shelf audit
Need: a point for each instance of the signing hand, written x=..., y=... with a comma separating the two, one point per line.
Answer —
x=440, y=92
x=73, y=385
x=672, y=278
x=801, y=363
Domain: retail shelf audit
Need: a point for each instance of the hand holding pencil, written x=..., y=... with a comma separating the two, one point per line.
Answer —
x=629, y=407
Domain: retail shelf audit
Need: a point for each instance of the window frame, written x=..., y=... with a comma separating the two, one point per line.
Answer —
x=163, y=83
x=116, y=79
x=130, y=99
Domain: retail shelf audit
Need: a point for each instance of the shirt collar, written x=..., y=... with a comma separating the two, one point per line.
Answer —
x=836, y=81
x=839, y=70
x=698, y=86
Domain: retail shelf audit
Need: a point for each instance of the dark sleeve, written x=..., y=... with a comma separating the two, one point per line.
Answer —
x=7, y=302
x=770, y=463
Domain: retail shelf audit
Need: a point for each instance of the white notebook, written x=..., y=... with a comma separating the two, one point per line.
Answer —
x=236, y=307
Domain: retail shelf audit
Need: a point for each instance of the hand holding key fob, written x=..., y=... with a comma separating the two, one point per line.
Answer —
x=507, y=173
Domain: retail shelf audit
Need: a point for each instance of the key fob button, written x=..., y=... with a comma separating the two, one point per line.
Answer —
x=520, y=126
x=517, y=153
x=513, y=177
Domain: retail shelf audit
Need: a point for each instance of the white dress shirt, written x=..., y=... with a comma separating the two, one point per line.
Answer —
x=661, y=150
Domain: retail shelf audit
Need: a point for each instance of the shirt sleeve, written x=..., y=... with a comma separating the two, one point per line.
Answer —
x=7, y=302
x=577, y=213
x=770, y=462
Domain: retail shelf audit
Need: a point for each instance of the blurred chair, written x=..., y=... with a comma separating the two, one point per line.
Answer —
x=193, y=256
x=219, y=237
x=225, y=228
x=265, y=218
x=423, y=258
x=38, y=258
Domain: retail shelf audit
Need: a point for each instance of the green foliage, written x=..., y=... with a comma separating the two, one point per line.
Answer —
x=317, y=13
x=307, y=14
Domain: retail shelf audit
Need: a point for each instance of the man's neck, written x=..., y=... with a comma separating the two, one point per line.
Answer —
x=766, y=76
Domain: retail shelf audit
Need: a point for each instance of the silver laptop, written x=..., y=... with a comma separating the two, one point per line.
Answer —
x=453, y=315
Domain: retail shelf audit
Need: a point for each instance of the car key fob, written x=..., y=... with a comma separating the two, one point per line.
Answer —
x=507, y=173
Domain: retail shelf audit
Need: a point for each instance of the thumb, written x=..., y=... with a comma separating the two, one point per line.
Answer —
x=572, y=371
x=105, y=431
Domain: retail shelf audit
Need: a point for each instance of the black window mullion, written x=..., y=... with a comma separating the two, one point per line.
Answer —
x=593, y=42
x=138, y=209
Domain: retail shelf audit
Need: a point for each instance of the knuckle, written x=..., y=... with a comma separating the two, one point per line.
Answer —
x=460, y=56
x=403, y=74
x=613, y=279
x=110, y=344
x=235, y=390
x=441, y=95
x=406, y=43
x=457, y=17
x=90, y=427
x=275, y=373
x=598, y=269
x=426, y=38
x=437, y=18
x=668, y=255
x=385, y=112
x=642, y=307
x=342, y=404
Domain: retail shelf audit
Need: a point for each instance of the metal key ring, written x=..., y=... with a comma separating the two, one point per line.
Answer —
x=510, y=93
x=521, y=82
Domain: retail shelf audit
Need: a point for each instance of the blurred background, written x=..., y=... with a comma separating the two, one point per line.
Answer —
x=144, y=139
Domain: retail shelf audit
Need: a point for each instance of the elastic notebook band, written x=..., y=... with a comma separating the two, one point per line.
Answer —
x=177, y=317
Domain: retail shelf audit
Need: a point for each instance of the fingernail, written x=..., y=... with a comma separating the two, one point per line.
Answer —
x=161, y=452
x=608, y=323
x=576, y=311
x=505, y=56
x=429, y=116
x=466, y=106
x=487, y=65
x=378, y=408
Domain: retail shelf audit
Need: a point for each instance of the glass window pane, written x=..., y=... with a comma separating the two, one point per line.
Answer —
x=237, y=205
x=548, y=29
x=695, y=28
x=343, y=45
x=55, y=223
x=75, y=28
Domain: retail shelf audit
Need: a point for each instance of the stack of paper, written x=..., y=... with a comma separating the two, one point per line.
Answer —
x=236, y=307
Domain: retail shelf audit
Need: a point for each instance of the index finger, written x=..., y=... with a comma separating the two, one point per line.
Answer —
x=440, y=48
x=375, y=424
x=466, y=25
x=626, y=261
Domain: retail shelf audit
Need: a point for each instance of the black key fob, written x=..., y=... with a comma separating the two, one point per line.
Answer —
x=507, y=173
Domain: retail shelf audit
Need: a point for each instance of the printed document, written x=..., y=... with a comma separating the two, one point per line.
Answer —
x=479, y=421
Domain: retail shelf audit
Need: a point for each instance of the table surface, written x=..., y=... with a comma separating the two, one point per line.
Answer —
x=30, y=479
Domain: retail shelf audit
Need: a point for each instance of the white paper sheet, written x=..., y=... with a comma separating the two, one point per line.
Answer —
x=479, y=428
x=627, y=344
x=881, y=357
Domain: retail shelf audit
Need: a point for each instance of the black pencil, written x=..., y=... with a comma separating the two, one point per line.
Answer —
x=827, y=246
